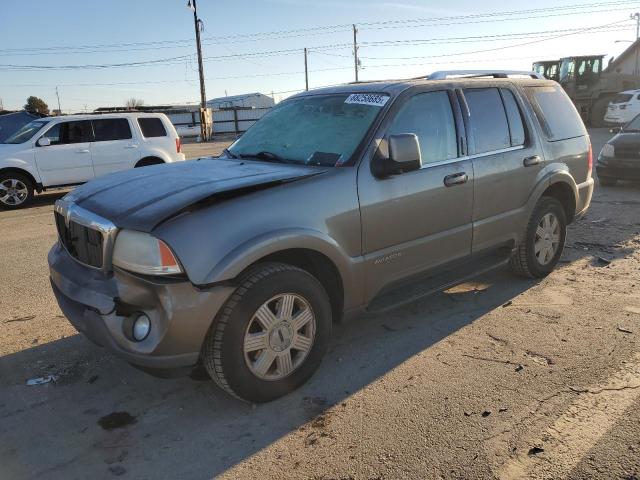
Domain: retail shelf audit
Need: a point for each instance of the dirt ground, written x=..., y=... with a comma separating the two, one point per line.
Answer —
x=498, y=378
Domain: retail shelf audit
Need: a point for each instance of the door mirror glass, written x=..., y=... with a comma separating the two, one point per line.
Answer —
x=404, y=156
x=615, y=130
x=44, y=142
x=404, y=152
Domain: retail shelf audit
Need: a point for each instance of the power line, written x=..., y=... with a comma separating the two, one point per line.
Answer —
x=322, y=49
x=603, y=7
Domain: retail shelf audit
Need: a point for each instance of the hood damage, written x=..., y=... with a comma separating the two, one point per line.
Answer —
x=143, y=198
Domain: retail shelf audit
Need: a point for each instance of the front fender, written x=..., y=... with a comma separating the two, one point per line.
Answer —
x=19, y=164
x=251, y=251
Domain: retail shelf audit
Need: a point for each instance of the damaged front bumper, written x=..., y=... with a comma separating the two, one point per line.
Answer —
x=102, y=307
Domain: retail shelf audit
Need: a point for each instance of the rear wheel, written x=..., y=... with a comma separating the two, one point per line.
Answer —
x=16, y=190
x=544, y=240
x=145, y=162
x=271, y=335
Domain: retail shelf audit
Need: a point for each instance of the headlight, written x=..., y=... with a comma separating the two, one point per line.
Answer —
x=143, y=253
x=608, y=150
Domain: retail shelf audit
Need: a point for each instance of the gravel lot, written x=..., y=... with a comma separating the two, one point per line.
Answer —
x=497, y=378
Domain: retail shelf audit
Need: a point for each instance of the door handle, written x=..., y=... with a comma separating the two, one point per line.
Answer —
x=531, y=161
x=82, y=151
x=131, y=146
x=455, y=179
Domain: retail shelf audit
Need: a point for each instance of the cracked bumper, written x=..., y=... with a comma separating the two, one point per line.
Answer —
x=101, y=307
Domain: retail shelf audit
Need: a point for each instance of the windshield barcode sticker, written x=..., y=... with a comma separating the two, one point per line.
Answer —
x=374, y=99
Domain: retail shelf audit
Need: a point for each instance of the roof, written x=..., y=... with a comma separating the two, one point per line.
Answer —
x=395, y=87
x=232, y=98
x=91, y=116
x=620, y=58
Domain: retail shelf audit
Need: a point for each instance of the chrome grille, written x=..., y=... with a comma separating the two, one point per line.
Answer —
x=87, y=237
x=84, y=244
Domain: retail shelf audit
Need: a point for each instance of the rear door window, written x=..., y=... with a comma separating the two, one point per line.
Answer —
x=152, y=127
x=555, y=112
x=488, y=119
x=430, y=118
x=514, y=115
x=111, y=129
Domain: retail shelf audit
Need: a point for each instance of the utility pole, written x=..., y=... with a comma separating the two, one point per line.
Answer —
x=203, y=97
x=636, y=17
x=355, y=50
x=58, y=95
x=306, y=71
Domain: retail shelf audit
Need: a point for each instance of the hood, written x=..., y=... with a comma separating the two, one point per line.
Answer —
x=7, y=148
x=141, y=198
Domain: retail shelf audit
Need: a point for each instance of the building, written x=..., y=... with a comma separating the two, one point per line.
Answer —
x=627, y=61
x=11, y=122
x=247, y=100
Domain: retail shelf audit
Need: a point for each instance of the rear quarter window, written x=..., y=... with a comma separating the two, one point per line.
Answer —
x=152, y=127
x=555, y=112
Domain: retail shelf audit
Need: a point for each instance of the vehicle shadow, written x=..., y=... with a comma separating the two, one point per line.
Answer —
x=48, y=198
x=191, y=427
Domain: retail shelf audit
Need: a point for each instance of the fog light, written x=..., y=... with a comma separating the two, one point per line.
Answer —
x=141, y=327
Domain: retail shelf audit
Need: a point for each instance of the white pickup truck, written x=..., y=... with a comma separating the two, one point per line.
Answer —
x=61, y=151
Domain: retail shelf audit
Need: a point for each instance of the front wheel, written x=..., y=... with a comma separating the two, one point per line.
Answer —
x=271, y=335
x=16, y=190
x=544, y=240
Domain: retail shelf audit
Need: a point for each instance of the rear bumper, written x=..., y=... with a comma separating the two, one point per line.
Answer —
x=102, y=307
x=585, y=192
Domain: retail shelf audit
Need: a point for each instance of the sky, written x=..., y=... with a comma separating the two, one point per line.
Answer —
x=258, y=45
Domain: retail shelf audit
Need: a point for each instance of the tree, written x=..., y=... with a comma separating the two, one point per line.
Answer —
x=36, y=105
x=133, y=103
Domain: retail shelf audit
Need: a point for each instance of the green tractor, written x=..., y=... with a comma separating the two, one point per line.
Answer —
x=549, y=69
x=589, y=85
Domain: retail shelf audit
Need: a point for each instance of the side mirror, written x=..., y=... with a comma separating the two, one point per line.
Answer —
x=615, y=130
x=404, y=156
x=43, y=142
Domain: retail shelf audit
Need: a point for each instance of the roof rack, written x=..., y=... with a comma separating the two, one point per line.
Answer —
x=445, y=74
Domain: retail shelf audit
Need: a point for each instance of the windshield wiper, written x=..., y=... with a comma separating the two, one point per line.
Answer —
x=264, y=155
x=229, y=153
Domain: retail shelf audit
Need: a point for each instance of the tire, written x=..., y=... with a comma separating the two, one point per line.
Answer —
x=266, y=286
x=524, y=261
x=598, y=111
x=16, y=191
x=145, y=162
x=607, y=181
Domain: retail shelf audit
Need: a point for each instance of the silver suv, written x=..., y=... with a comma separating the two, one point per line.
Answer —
x=342, y=200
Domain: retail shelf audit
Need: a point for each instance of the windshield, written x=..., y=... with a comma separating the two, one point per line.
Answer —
x=312, y=130
x=621, y=98
x=26, y=132
x=566, y=69
x=633, y=125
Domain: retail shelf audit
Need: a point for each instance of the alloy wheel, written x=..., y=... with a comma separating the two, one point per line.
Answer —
x=547, y=238
x=279, y=336
x=13, y=192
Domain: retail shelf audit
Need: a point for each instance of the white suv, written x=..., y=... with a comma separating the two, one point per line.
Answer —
x=623, y=107
x=62, y=151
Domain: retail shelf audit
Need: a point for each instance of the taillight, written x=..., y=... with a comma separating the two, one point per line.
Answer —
x=178, y=145
x=589, y=160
